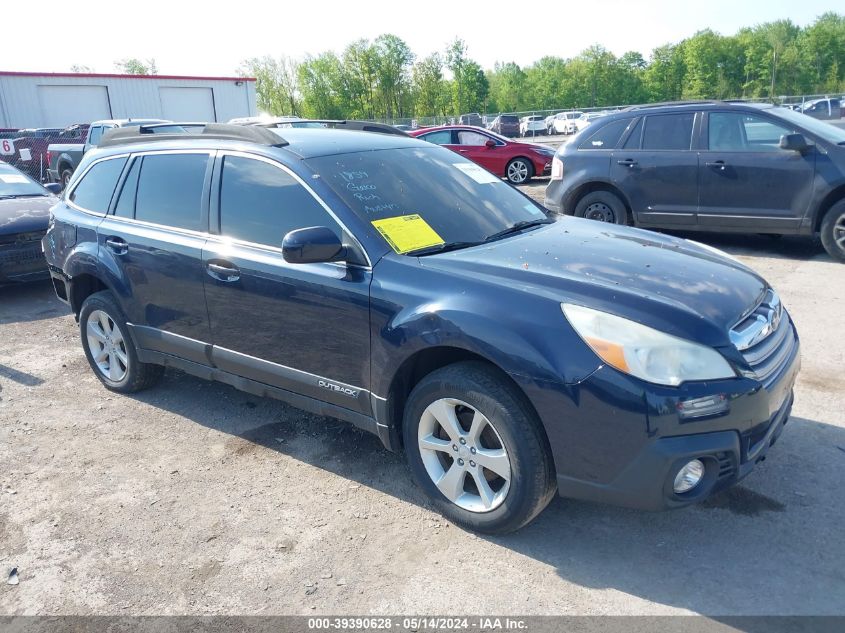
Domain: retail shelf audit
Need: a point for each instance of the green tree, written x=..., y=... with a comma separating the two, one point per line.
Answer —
x=276, y=87
x=393, y=63
x=135, y=66
x=507, y=87
x=319, y=78
x=469, y=84
x=430, y=90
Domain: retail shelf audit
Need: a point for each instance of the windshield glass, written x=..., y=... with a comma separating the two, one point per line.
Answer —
x=457, y=199
x=13, y=184
x=828, y=132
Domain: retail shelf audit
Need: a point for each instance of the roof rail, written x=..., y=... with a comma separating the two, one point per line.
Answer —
x=178, y=131
x=340, y=124
x=672, y=103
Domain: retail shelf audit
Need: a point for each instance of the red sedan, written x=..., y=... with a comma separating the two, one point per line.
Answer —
x=518, y=162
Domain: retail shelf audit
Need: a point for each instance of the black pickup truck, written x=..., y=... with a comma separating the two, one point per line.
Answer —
x=64, y=157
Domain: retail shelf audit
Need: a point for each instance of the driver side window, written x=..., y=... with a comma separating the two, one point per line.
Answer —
x=261, y=203
x=739, y=132
x=466, y=137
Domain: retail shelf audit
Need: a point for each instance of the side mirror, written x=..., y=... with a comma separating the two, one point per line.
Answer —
x=794, y=142
x=490, y=143
x=53, y=187
x=312, y=245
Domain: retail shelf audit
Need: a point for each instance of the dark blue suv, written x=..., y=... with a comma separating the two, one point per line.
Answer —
x=390, y=283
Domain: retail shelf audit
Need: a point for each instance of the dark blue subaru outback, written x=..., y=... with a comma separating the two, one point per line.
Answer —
x=388, y=282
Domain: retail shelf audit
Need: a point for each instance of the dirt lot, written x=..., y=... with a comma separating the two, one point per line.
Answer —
x=193, y=498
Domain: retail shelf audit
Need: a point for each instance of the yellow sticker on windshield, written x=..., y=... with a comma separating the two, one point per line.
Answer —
x=407, y=233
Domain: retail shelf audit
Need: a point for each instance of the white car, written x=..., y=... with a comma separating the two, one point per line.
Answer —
x=532, y=125
x=585, y=119
x=564, y=123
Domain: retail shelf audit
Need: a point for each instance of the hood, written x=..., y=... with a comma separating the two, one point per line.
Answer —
x=667, y=283
x=23, y=215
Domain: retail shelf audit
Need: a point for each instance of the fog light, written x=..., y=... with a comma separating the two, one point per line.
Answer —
x=689, y=476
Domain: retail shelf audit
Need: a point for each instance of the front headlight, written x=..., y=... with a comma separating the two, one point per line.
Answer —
x=643, y=351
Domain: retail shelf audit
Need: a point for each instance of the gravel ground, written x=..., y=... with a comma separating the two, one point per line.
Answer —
x=194, y=498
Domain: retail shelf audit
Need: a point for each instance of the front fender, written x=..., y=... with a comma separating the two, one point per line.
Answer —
x=522, y=334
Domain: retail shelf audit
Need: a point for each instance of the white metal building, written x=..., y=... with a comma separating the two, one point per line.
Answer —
x=60, y=99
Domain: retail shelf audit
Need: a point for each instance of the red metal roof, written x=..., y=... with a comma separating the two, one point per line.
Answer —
x=7, y=73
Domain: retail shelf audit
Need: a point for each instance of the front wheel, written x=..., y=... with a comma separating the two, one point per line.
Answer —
x=477, y=449
x=833, y=231
x=519, y=170
x=109, y=348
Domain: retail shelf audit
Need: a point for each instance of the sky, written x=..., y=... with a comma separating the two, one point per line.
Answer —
x=212, y=37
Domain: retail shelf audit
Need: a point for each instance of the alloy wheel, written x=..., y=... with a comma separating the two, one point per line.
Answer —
x=839, y=232
x=518, y=172
x=107, y=346
x=464, y=455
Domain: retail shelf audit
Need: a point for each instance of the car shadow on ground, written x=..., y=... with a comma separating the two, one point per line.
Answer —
x=20, y=303
x=771, y=545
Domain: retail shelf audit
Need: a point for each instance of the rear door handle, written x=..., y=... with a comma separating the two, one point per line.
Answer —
x=224, y=273
x=718, y=164
x=118, y=245
x=628, y=162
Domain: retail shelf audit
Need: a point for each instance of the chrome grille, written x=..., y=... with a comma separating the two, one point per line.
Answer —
x=766, y=338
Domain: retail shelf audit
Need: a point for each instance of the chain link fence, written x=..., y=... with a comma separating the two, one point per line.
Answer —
x=27, y=149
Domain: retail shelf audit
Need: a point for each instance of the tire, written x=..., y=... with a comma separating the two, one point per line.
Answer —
x=602, y=206
x=833, y=231
x=119, y=369
x=519, y=171
x=64, y=178
x=507, y=426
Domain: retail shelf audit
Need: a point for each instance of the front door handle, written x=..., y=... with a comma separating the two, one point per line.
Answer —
x=118, y=245
x=224, y=273
x=718, y=165
x=628, y=162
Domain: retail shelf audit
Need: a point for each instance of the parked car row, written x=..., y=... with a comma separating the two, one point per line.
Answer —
x=510, y=355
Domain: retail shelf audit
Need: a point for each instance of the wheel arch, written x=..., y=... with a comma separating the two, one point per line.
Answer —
x=425, y=361
x=829, y=200
x=83, y=286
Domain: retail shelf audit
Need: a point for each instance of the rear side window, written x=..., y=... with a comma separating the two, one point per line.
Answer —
x=125, y=206
x=170, y=190
x=668, y=131
x=261, y=203
x=443, y=137
x=94, y=191
x=607, y=136
x=633, y=141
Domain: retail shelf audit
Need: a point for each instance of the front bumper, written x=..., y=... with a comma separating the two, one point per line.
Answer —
x=22, y=262
x=616, y=439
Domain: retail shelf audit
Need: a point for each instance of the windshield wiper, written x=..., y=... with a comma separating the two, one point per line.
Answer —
x=441, y=248
x=516, y=228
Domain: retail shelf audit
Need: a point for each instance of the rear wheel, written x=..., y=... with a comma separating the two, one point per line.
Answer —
x=833, y=231
x=476, y=449
x=602, y=206
x=65, y=177
x=109, y=348
x=519, y=170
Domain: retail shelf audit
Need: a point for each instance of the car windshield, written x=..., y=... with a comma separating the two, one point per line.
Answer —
x=828, y=132
x=460, y=201
x=14, y=184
